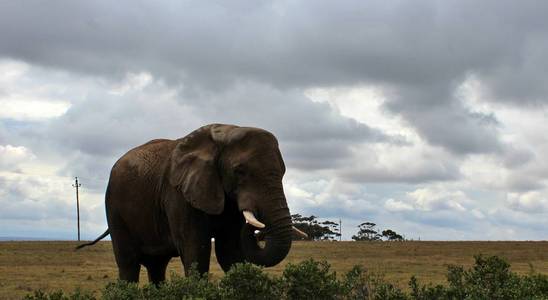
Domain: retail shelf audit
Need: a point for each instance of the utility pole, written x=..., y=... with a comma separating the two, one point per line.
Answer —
x=77, y=185
x=340, y=229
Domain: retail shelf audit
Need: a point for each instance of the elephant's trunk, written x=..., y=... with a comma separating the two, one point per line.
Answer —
x=277, y=237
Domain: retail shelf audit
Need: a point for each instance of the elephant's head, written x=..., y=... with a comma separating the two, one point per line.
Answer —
x=219, y=163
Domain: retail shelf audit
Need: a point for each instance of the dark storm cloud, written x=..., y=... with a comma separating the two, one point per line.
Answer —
x=294, y=43
x=442, y=120
x=420, y=50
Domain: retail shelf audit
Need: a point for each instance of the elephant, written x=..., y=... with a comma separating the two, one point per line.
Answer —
x=169, y=198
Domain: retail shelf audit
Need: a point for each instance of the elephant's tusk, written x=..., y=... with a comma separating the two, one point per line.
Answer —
x=250, y=218
x=299, y=232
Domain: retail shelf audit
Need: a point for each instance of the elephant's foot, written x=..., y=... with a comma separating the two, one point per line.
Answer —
x=197, y=258
x=156, y=268
x=129, y=272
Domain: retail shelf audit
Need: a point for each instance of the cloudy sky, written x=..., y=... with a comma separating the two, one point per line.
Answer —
x=429, y=118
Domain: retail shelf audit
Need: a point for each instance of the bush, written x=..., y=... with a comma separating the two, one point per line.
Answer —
x=427, y=292
x=387, y=291
x=194, y=286
x=357, y=284
x=311, y=280
x=247, y=281
x=489, y=278
x=360, y=284
x=121, y=290
x=78, y=294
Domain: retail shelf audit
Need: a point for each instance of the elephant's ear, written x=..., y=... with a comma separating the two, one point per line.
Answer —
x=193, y=171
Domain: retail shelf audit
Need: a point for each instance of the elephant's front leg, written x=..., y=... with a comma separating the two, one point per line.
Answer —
x=196, y=252
x=191, y=235
x=227, y=246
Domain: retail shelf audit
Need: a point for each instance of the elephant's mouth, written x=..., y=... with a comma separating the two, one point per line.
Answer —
x=259, y=236
x=269, y=252
x=268, y=246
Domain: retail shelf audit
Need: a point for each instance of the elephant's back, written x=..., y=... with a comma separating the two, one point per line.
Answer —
x=144, y=161
x=133, y=188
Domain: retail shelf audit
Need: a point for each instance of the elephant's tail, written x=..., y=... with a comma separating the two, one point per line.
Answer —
x=102, y=236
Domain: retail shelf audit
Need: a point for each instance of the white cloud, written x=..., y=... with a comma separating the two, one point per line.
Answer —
x=397, y=205
x=432, y=198
x=520, y=164
x=484, y=172
x=26, y=101
x=133, y=82
x=22, y=108
x=11, y=70
x=435, y=198
x=411, y=163
x=46, y=204
x=11, y=156
x=512, y=222
x=363, y=104
x=405, y=158
x=478, y=214
x=530, y=202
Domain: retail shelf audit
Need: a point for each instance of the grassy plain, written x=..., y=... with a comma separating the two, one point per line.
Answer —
x=26, y=266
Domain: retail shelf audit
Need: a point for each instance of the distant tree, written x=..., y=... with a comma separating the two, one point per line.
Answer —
x=367, y=232
x=391, y=235
x=333, y=231
x=316, y=230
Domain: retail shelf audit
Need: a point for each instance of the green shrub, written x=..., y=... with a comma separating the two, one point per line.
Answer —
x=426, y=292
x=178, y=287
x=535, y=285
x=78, y=294
x=247, y=281
x=121, y=290
x=387, y=291
x=311, y=280
x=455, y=278
x=41, y=295
x=360, y=284
x=357, y=284
x=489, y=278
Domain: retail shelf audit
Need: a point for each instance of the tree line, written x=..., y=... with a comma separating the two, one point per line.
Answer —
x=327, y=230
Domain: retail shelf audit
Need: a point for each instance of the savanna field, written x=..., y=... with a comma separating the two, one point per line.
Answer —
x=28, y=266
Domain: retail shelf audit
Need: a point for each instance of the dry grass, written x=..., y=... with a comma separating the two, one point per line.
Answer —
x=26, y=266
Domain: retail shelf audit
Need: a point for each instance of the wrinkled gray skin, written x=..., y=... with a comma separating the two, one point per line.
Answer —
x=168, y=198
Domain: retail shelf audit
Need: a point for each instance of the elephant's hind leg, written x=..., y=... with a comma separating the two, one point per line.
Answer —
x=126, y=255
x=129, y=272
x=156, y=268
